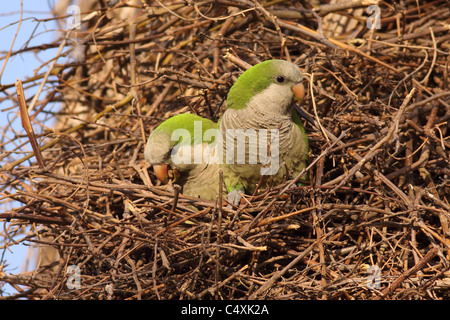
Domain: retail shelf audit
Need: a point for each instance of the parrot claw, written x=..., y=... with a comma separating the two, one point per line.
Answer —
x=234, y=198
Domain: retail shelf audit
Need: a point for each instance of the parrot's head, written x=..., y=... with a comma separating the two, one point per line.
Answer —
x=171, y=147
x=157, y=153
x=270, y=85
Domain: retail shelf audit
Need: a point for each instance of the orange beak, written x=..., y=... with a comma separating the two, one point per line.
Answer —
x=161, y=172
x=299, y=92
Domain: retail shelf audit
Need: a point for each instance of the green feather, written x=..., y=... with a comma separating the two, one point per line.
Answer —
x=251, y=82
x=185, y=121
x=298, y=122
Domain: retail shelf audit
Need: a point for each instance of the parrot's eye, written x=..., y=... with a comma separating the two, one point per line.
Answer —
x=280, y=79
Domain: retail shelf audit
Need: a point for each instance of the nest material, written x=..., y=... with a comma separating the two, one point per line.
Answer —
x=372, y=224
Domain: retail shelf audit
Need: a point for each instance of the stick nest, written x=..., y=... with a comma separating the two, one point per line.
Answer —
x=372, y=224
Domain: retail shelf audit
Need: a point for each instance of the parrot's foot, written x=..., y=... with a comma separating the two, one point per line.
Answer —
x=234, y=198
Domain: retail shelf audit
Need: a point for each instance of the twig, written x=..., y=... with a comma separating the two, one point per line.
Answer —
x=313, y=100
x=291, y=264
x=424, y=81
x=325, y=9
x=26, y=123
x=288, y=186
x=47, y=74
x=8, y=55
x=375, y=149
x=418, y=266
x=333, y=43
x=50, y=144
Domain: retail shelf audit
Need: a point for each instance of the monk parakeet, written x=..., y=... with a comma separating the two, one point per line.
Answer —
x=260, y=107
x=259, y=135
x=178, y=150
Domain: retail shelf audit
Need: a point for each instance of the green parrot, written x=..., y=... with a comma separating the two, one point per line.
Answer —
x=260, y=101
x=172, y=149
x=258, y=140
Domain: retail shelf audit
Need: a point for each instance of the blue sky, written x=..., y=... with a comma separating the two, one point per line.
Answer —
x=22, y=66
